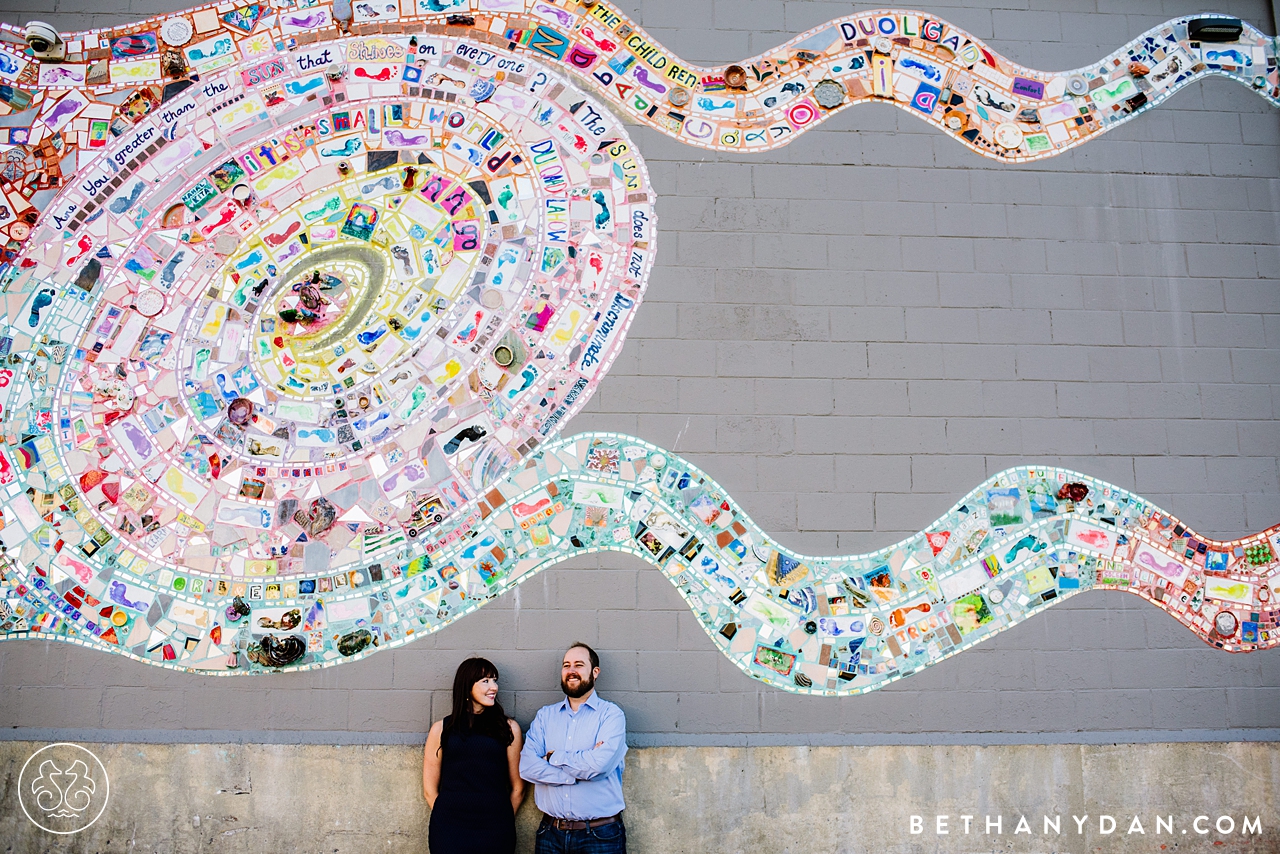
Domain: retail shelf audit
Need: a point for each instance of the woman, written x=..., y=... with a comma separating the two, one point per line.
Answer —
x=471, y=769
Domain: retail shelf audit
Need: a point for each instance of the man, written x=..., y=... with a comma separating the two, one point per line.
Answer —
x=574, y=757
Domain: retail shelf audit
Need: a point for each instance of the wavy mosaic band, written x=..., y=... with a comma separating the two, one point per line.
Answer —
x=298, y=300
x=1020, y=542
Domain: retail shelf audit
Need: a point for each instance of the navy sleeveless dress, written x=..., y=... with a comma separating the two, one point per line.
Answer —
x=473, y=813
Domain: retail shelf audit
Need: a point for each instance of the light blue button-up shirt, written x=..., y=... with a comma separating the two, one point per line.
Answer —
x=582, y=781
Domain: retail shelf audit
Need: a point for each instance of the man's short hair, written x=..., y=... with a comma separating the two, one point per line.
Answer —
x=591, y=653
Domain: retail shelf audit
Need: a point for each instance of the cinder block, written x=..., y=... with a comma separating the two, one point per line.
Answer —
x=548, y=629
x=892, y=435
x=1085, y=327
x=646, y=710
x=781, y=712
x=1207, y=364
x=670, y=670
x=1096, y=258
x=55, y=706
x=1112, y=293
x=901, y=288
x=655, y=593
x=1022, y=26
x=527, y=703
x=591, y=586
x=1151, y=668
x=1246, y=226
x=715, y=396
x=828, y=287
x=675, y=357
x=1116, y=709
x=945, y=397
x=944, y=185
x=716, y=321
x=947, y=474
x=976, y=290
x=905, y=360
x=874, y=472
x=1253, y=294
x=796, y=396
x=790, y=251
x=961, y=219
x=1068, y=670
x=688, y=434
x=942, y=324
x=935, y=717
x=752, y=286
x=1258, y=438
x=710, y=249
x=871, y=397
x=41, y=663
x=1010, y=256
x=409, y=711
x=1093, y=399
x=1261, y=511
x=1252, y=161
x=634, y=630
x=794, y=182
x=1164, y=400
x=899, y=149
x=1180, y=158
x=992, y=185
x=835, y=511
x=792, y=323
x=1255, y=366
x=1049, y=362
x=1043, y=436
x=914, y=510
x=1205, y=438
x=720, y=712
x=755, y=434
x=935, y=253
x=1222, y=261
x=1030, y=396
x=868, y=323
x=686, y=213
x=1021, y=325
x=638, y=394
x=1163, y=260
x=1157, y=328
x=752, y=15
x=1252, y=707
x=1242, y=401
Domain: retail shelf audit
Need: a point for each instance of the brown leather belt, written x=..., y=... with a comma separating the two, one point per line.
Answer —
x=570, y=824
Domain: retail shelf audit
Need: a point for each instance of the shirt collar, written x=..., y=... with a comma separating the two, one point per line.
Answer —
x=590, y=702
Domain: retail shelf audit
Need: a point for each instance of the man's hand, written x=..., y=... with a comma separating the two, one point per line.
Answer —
x=549, y=752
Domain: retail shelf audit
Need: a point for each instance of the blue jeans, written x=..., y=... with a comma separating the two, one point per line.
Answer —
x=605, y=839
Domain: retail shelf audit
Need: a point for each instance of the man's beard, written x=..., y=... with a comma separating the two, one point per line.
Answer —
x=582, y=688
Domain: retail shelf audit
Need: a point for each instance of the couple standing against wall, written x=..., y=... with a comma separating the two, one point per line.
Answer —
x=476, y=763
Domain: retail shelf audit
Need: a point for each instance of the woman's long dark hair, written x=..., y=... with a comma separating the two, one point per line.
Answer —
x=491, y=721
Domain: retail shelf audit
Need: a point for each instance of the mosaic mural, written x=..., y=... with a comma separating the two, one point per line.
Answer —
x=299, y=298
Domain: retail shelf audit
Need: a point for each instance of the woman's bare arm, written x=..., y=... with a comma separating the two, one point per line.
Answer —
x=513, y=763
x=431, y=764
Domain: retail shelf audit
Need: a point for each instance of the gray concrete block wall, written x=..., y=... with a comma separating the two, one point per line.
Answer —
x=848, y=334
